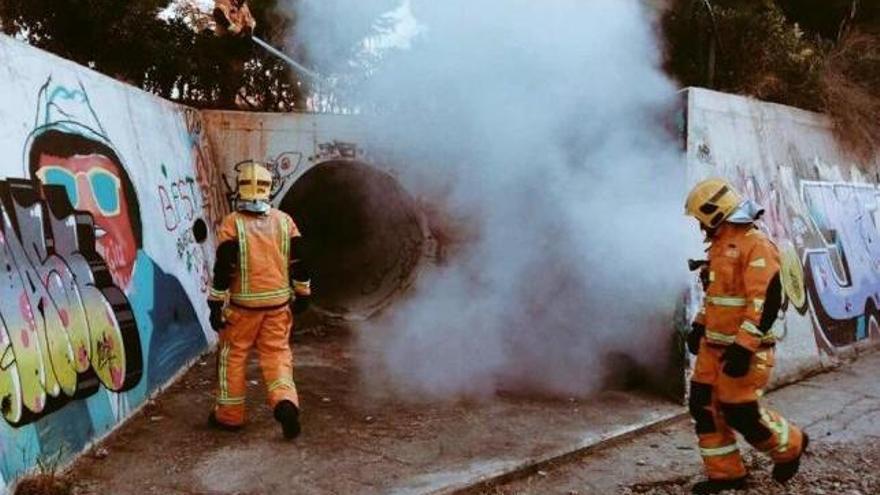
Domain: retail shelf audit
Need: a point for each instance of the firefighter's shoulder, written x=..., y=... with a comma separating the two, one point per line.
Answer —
x=758, y=238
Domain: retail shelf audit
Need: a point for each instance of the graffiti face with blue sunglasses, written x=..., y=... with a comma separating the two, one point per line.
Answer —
x=93, y=184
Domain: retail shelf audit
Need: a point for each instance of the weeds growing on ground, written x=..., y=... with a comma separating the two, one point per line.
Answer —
x=47, y=479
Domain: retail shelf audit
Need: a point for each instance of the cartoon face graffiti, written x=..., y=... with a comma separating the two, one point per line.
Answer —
x=94, y=183
x=70, y=148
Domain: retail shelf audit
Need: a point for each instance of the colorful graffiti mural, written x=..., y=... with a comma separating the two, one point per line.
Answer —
x=843, y=271
x=100, y=278
x=213, y=203
x=182, y=202
x=828, y=234
x=65, y=328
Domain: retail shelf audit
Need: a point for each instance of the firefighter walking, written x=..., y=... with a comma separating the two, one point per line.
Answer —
x=734, y=345
x=258, y=272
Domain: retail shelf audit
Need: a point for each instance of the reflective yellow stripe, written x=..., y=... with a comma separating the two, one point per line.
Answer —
x=231, y=401
x=758, y=263
x=281, y=382
x=720, y=337
x=729, y=301
x=224, y=388
x=302, y=288
x=285, y=238
x=256, y=296
x=711, y=276
x=759, y=304
x=784, y=434
x=243, y=256
x=218, y=294
x=285, y=246
x=725, y=450
x=752, y=329
x=781, y=428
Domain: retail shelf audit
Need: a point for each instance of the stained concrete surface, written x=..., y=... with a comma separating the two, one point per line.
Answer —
x=840, y=410
x=351, y=442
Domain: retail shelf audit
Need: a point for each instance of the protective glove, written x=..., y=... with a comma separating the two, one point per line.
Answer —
x=736, y=360
x=698, y=331
x=300, y=304
x=217, y=320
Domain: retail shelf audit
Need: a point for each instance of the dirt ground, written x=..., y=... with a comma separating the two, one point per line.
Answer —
x=840, y=410
x=351, y=443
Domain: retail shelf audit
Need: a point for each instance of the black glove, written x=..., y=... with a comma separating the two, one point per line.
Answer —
x=300, y=304
x=736, y=360
x=698, y=331
x=217, y=320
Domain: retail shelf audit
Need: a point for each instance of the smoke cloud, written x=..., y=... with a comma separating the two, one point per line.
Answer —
x=537, y=127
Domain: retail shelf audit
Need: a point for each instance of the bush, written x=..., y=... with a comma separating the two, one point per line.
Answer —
x=760, y=51
x=851, y=94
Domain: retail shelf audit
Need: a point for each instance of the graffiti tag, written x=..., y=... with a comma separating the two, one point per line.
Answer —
x=65, y=328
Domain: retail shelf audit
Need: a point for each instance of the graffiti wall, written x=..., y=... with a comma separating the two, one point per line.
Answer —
x=821, y=211
x=289, y=144
x=102, y=283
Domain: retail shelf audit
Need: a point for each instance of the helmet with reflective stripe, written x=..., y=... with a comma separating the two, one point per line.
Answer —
x=254, y=182
x=711, y=201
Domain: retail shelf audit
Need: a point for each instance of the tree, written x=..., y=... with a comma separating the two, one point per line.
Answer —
x=126, y=40
x=821, y=55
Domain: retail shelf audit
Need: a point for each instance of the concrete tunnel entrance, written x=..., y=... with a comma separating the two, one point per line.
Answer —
x=364, y=236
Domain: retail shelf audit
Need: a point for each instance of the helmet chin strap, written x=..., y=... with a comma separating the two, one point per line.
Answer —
x=255, y=206
x=709, y=232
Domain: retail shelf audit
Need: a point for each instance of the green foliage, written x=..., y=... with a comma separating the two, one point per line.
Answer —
x=125, y=39
x=757, y=51
x=821, y=55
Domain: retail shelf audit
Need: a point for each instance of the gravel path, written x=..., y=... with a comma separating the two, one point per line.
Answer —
x=840, y=410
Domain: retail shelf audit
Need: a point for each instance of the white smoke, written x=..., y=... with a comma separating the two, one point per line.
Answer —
x=539, y=125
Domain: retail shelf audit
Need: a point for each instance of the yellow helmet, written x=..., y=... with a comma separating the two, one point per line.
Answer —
x=711, y=201
x=254, y=182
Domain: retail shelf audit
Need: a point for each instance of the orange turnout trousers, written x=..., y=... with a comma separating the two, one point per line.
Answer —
x=269, y=332
x=721, y=405
x=743, y=278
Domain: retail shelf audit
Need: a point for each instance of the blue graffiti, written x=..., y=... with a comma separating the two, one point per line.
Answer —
x=843, y=276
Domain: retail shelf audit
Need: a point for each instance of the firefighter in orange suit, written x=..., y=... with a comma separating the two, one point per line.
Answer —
x=257, y=273
x=734, y=345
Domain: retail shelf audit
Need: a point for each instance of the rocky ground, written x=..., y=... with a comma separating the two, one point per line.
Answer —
x=840, y=410
x=848, y=468
x=357, y=443
x=353, y=442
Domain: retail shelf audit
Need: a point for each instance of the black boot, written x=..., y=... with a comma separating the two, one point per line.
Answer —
x=717, y=486
x=786, y=471
x=214, y=423
x=287, y=414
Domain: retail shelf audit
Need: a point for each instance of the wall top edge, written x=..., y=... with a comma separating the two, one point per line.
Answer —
x=17, y=44
x=708, y=99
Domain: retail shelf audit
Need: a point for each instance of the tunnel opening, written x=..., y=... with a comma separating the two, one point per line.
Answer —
x=364, y=236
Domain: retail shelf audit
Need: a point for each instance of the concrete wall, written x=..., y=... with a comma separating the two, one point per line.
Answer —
x=822, y=212
x=290, y=144
x=98, y=310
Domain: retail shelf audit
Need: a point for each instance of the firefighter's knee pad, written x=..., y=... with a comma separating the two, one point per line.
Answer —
x=698, y=405
x=746, y=419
